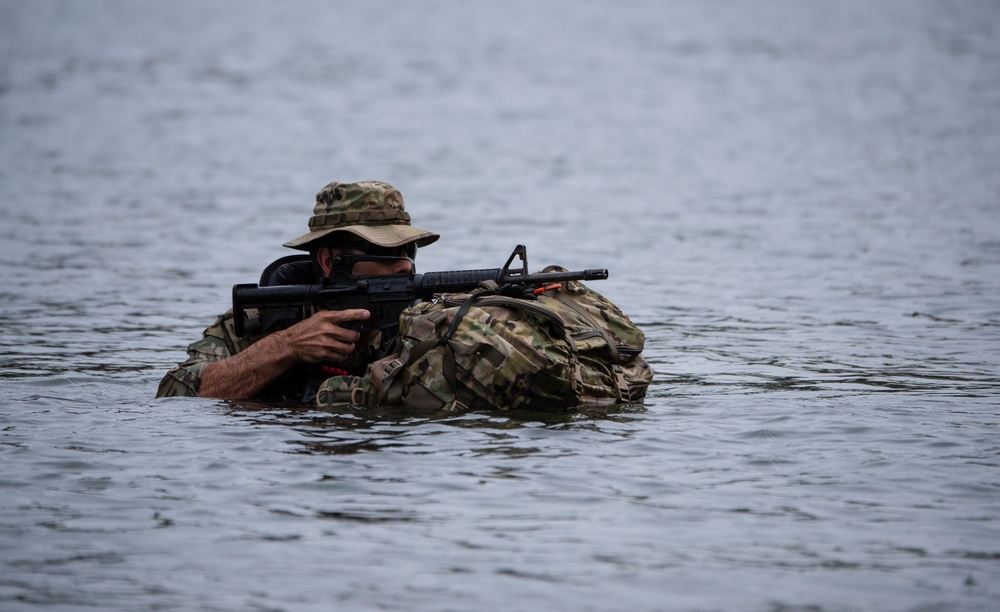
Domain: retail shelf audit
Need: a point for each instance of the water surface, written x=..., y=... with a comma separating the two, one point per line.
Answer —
x=799, y=203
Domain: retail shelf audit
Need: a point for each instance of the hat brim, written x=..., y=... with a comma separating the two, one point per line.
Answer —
x=382, y=235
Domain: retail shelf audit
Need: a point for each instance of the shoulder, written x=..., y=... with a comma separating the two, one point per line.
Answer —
x=220, y=340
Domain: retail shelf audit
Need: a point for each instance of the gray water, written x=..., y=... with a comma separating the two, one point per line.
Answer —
x=798, y=201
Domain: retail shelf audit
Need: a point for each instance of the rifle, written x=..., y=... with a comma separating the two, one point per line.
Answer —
x=385, y=296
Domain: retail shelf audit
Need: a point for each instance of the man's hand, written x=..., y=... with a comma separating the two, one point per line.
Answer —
x=318, y=339
x=321, y=339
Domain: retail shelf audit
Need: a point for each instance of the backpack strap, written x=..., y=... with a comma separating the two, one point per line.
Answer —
x=391, y=393
x=392, y=387
x=575, y=307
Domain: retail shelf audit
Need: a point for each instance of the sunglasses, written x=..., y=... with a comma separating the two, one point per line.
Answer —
x=408, y=251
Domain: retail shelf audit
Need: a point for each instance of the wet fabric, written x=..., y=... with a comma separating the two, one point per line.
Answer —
x=563, y=348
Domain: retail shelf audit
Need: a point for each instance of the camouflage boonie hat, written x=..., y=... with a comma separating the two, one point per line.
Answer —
x=370, y=210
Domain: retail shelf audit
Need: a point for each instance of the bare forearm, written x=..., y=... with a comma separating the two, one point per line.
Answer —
x=318, y=339
x=249, y=372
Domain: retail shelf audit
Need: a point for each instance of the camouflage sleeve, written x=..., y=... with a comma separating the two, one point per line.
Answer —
x=186, y=377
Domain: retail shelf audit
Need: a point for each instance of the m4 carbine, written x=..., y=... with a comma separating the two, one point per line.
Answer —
x=385, y=296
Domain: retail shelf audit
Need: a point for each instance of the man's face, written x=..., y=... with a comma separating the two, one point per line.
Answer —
x=400, y=263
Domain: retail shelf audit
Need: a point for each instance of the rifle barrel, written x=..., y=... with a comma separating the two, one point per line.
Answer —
x=548, y=277
x=459, y=281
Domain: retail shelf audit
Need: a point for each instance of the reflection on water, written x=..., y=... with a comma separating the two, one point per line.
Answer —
x=797, y=202
x=347, y=430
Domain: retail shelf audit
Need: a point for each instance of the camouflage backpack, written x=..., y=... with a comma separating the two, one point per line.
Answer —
x=547, y=350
